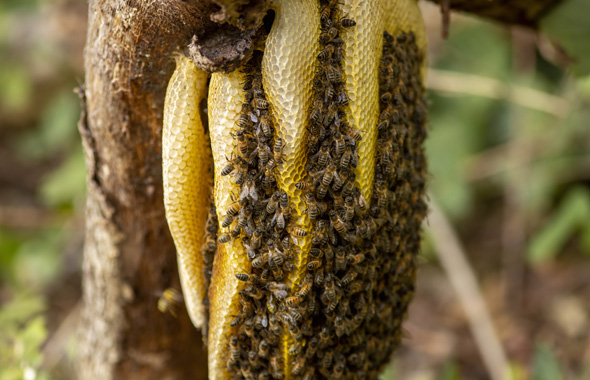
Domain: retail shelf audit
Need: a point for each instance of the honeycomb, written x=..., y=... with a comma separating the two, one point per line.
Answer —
x=310, y=239
x=186, y=164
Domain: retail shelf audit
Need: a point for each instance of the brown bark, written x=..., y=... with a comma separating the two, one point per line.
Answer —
x=129, y=257
x=522, y=12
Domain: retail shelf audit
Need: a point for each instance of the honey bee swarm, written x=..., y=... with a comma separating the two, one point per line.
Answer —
x=342, y=319
x=261, y=216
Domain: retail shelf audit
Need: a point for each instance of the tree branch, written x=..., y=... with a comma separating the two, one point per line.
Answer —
x=523, y=12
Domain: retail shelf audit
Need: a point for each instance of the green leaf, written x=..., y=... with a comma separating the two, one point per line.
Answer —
x=573, y=213
x=56, y=131
x=545, y=364
x=66, y=185
x=450, y=372
x=568, y=24
x=15, y=86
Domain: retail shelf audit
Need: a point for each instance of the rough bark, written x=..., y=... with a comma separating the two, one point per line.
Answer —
x=129, y=257
x=522, y=12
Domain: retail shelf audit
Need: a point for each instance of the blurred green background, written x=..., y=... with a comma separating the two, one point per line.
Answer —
x=509, y=154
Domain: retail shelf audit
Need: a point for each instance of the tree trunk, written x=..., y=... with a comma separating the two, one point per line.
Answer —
x=129, y=257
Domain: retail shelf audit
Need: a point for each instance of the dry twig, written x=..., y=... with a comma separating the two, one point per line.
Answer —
x=463, y=280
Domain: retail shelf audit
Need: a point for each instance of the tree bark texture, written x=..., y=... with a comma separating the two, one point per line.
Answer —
x=129, y=256
x=522, y=12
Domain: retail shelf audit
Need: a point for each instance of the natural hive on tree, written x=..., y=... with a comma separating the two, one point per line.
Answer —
x=305, y=265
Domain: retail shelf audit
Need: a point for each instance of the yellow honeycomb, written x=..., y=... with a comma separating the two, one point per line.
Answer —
x=186, y=163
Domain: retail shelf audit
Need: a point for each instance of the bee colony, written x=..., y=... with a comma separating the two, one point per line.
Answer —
x=343, y=320
x=308, y=251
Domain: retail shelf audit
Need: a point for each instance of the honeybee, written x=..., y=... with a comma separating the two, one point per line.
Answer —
x=227, y=169
x=313, y=209
x=224, y=239
x=278, y=148
x=296, y=231
x=319, y=235
x=293, y=301
x=343, y=97
x=243, y=144
x=316, y=111
x=253, y=292
x=288, y=266
x=273, y=202
x=275, y=326
x=355, y=259
x=295, y=314
x=355, y=287
x=325, y=14
x=295, y=349
x=331, y=307
x=313, y=265
x=278, y=290
x=260, y=104
x=348, y=277
x=340, y=261
x=227, y=221
x=248, y=327
x=169, y=301
x=235, y=233
x=361, y=201
x=306, y=286
x=317, y=84
x=263, y=152
x=256, y=239
x=330, y=114
x=254, y=363
x=261, y=320
x=284, y=201
x=299, y=366
x=244, y=121
x=265, y=126
x=237, y=320
x=278, y=221
x=258, y=262
x=347, y=23
x=339, y=144
x=249, y=190
x=326, y=53
x=244, y=277
x=263, y=348
x=318, y=279
x=234, y=351
x=338, y=369
x=295, y=331
x=333, y=74
x=332, y=33
x=312, y=347
x=304, y=186
x=328, y=174
x=348, y=209
x=386, y=97
x=338, y=224
x=329, y=93
x=286, y=244
x=323, y=156
x=245, y=371
x=327, y=359
x=275, y=366
x=316, y=252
